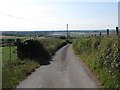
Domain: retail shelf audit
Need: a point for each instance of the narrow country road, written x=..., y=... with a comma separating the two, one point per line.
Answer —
x=65, y=71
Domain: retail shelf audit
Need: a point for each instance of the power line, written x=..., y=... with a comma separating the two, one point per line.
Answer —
x=26, y=19
x=18, y=17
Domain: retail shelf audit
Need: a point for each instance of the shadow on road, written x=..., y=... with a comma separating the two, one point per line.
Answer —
x=48, y=61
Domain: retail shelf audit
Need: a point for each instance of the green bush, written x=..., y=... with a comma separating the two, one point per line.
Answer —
x=32, y=49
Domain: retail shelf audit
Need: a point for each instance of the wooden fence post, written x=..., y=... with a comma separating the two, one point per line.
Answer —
x=117, y=31
x=10, y=51
x=67, y=32
x=107, y=32
x=100, y=34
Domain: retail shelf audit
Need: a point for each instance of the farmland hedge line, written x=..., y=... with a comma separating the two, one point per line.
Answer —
x=36, y=50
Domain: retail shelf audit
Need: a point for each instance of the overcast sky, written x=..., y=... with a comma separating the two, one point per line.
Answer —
x=55, y=14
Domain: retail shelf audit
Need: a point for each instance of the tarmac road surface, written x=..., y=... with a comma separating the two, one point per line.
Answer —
x=65, y=71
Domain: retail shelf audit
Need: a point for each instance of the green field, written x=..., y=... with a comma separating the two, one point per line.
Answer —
x=6, y=53
x=102, y=55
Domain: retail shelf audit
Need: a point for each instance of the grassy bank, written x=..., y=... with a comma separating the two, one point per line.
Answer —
x=102, y=55
x=14, y=69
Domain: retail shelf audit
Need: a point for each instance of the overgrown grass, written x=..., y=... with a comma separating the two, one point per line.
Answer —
x=102, y=55
x=15, y=70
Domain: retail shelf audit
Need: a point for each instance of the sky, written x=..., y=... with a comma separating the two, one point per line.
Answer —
x=27, y=15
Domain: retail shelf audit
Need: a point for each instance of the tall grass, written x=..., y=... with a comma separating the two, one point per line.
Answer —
x=102, y=55
x=16, y=71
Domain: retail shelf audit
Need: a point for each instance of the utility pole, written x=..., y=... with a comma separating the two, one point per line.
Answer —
x=67, y=32
x=107, y=32
x=117, y=30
